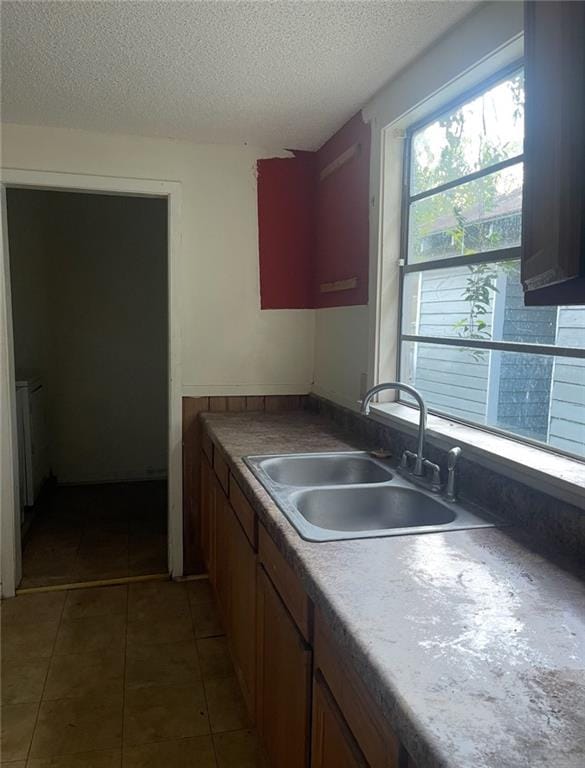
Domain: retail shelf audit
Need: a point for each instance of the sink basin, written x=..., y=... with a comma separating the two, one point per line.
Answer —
x=352, y=495
x=371, y=509
x=325, y=469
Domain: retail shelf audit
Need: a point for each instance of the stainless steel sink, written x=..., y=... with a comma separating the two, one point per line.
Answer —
x=371, y=509
x=325, y=469
x=331, y=496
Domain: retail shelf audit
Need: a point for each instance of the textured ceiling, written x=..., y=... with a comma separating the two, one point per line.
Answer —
x=273, y=73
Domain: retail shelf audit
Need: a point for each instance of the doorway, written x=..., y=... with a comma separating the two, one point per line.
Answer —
x=93, y=331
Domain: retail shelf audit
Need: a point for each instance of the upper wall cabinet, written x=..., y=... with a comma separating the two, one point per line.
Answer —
x=553, y=261
x=313, y=223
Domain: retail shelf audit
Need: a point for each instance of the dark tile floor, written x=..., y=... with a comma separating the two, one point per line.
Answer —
x=130, y=676
x=88, y=532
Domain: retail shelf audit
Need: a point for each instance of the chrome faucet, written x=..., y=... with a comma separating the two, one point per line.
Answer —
x=419, y=464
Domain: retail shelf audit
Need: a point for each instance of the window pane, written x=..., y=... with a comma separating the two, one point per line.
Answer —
x=541, y=397
x=534, y=396
x=485, y=302
x=482, y=215
x=484, y=131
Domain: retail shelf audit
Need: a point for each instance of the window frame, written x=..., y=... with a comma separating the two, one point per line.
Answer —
x=500, y=255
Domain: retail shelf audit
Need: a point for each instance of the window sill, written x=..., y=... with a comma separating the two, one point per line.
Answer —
x=558, y=476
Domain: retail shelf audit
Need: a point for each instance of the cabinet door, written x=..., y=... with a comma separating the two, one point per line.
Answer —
x=333, y=744
x=208, y=492
x=242, y=619
x=204, y=508
x=283, y=681
x=377, y=741
x=553, y=250
x=223, y=555
x=233, y=575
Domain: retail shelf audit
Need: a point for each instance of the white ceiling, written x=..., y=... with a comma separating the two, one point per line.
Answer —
x=272, y=73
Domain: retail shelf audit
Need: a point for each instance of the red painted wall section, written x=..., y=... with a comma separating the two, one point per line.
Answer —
x=343, y=216
x=286, y=230
x=315, y=230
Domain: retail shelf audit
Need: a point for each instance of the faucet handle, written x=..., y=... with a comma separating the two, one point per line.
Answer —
x=452, y=457
x=406, y=455
x=436, y=477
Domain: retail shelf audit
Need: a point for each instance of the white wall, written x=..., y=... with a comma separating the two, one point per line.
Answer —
x=341, y=353
x=228, y=345
x=345, y=339
x=89, y=293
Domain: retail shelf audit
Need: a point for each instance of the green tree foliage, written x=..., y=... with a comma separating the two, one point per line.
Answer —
x=461, y=220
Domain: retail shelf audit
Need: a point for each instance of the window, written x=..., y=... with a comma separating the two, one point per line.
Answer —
x=468, y=343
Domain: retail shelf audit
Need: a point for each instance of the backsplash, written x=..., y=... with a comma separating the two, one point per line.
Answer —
x=538, y=519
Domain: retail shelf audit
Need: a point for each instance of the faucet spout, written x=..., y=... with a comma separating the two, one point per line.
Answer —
x=422, y=423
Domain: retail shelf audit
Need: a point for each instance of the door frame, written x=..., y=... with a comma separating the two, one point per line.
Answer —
x=10, y=547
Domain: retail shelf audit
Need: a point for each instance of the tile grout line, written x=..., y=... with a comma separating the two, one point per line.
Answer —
x=191, y=612
x=202, y=677
x=28, y=755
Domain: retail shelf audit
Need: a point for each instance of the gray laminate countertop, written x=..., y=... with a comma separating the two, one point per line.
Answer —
x=471, y=644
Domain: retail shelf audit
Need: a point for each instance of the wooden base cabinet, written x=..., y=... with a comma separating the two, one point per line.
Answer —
x=223, y=558
x=208, y=483
x=271, y=626
x=366, y=727
x=231, y=562
x=242, y=607
x=283, y=681
x=333, y=745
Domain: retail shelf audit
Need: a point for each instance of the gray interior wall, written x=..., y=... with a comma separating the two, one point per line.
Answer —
x=28, y=221
x=89, y=291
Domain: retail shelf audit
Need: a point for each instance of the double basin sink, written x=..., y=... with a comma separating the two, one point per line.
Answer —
x=332, y=496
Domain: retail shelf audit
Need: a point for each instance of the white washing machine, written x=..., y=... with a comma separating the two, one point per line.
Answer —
x=33, y=453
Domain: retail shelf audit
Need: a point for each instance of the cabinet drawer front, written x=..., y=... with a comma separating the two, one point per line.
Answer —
x=244, y=511
x=286, y=582
x=221, y=469
x=207, y=446
x=373, y=734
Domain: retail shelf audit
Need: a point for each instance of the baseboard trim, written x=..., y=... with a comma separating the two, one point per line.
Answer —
x=96, y=583
x=112, y=481
x=194, y=577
